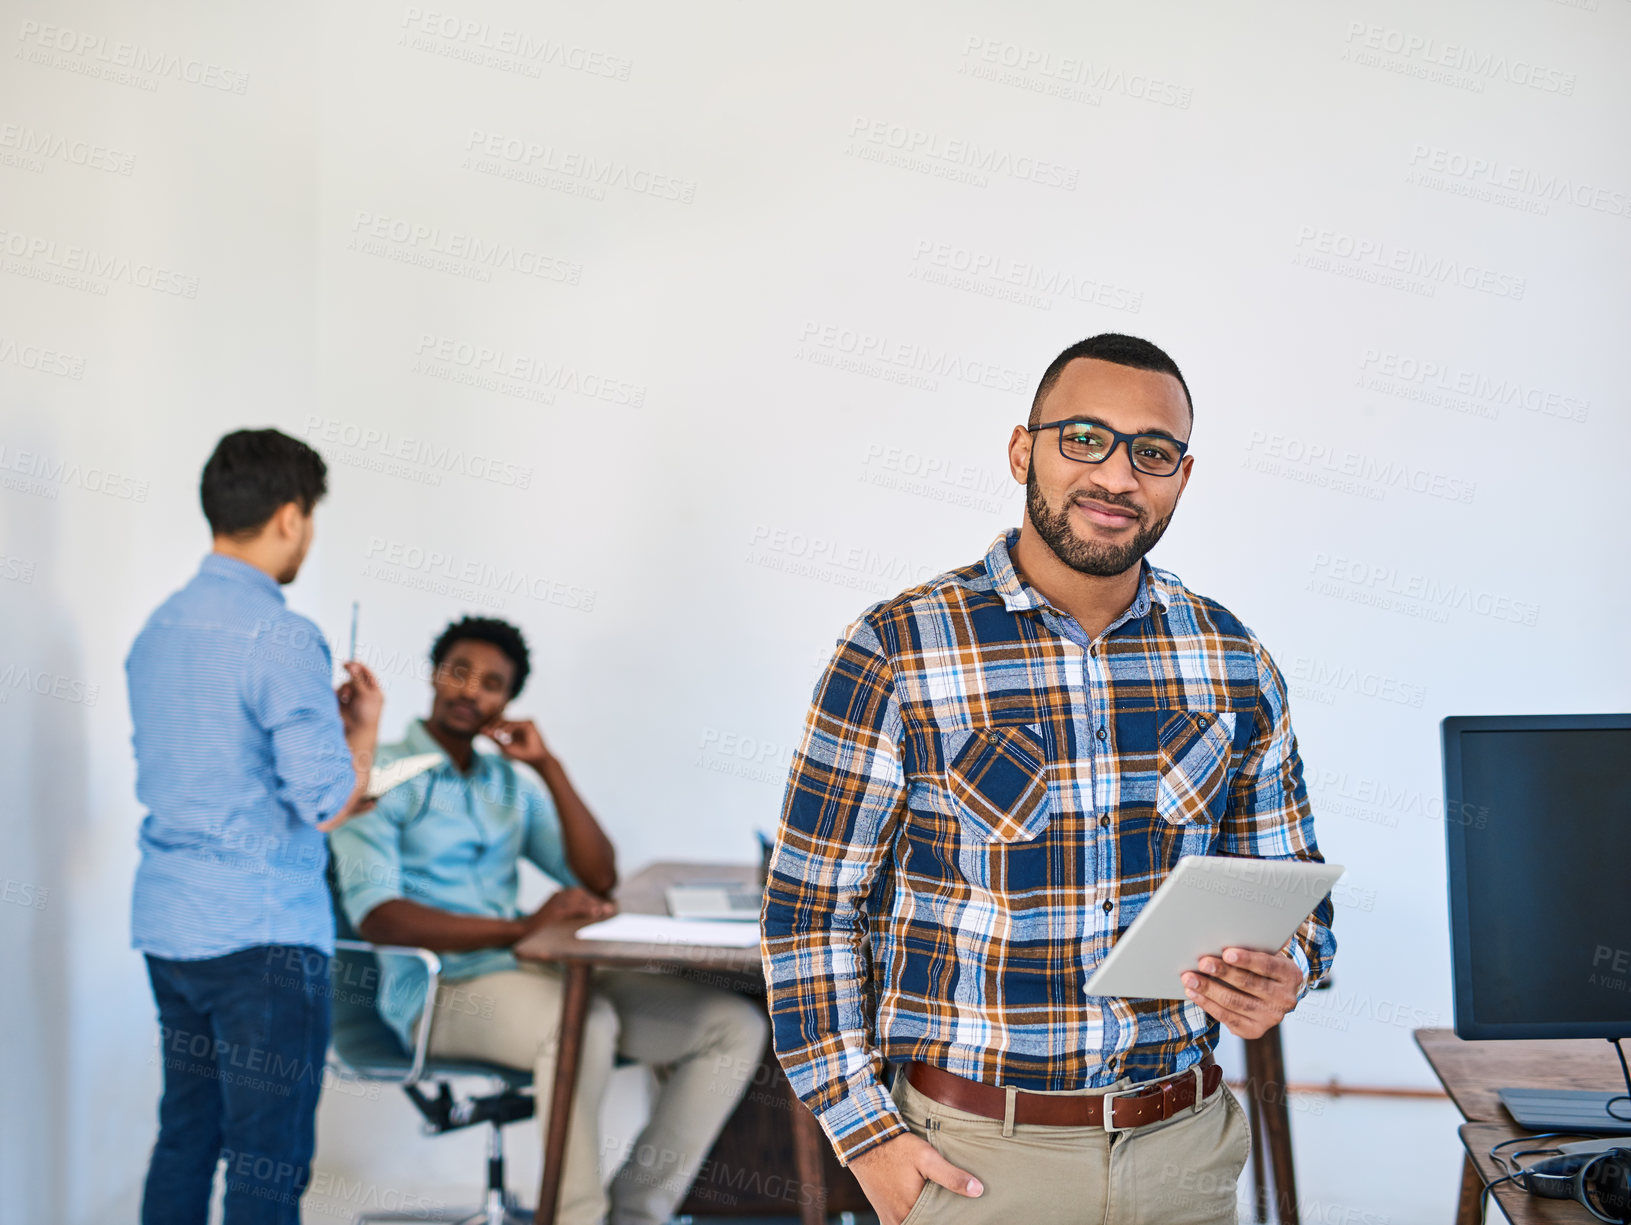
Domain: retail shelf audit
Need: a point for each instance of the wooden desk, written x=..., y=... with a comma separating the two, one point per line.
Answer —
x=820, y=1184
x=1472, y=1072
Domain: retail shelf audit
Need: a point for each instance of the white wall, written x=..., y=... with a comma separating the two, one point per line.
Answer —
x=745, y=367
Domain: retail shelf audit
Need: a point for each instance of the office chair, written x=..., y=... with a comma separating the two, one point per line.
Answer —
x=366, y=1048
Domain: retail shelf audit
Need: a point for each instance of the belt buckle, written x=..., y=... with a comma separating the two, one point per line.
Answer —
x=1109, y=1103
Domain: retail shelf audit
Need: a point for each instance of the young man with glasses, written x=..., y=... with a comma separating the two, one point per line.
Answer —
x=999, y=768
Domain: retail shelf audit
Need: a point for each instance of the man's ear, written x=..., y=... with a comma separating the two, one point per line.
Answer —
x=286, y=521
x=1187, y=463
x=1019, y=453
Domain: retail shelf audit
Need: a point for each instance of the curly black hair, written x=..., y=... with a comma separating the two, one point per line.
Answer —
x=500, y=634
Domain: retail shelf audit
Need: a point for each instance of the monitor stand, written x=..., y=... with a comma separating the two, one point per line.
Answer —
x=1575, y=1110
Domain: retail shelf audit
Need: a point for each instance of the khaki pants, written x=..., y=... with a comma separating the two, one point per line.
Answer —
x=1180, y=1171
x=705, y=1043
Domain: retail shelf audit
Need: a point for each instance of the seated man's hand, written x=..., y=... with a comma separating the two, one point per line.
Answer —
x=520, y=740
x=1248, y=990
x=569, y=905
x=893, y=1175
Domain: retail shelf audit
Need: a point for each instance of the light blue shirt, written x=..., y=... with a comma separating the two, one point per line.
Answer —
x=239, y=753
x=449, y=840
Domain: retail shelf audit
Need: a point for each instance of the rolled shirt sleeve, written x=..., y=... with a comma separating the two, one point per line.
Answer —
x=543, y=844
x=367, y=851
x=287, y=691
x=1269, y=815
x=843, y=802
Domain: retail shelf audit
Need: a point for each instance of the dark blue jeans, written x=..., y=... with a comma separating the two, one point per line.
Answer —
x=243, y=1038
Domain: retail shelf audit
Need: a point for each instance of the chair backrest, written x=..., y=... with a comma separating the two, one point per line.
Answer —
x=361, y=1037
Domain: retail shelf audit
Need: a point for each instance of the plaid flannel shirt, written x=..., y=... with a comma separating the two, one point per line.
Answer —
x=982, y=801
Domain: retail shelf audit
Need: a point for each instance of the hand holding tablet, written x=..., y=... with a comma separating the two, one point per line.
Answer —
x=1212, y=905
x=1250, y=991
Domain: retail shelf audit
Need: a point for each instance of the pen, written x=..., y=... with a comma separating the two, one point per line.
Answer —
x=353, y=654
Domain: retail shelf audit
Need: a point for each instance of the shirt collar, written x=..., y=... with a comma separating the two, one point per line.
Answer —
x=417, y=739
x=1019, y=596
x=222, y=566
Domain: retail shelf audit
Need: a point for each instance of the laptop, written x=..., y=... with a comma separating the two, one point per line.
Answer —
x=715, y=900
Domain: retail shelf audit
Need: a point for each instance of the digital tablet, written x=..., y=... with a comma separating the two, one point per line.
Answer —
x=1208, y=904
x=404, y=769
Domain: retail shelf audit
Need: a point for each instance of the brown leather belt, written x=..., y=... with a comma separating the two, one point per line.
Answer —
x=1128, y=1107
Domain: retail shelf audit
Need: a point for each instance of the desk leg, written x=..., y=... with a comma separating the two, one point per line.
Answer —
x=1276, y=1112
x=1472, y=1189
x=808, y=1140
x=1254, y=1116
x=574, y=1010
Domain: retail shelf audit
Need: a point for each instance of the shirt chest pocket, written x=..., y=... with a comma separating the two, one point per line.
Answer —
x=1193, y=752
x=998, y=777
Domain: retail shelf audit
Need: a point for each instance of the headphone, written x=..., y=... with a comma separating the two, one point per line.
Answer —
x=1600, y=1181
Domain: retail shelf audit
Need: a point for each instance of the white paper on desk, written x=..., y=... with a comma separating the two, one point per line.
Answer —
x=661, y=929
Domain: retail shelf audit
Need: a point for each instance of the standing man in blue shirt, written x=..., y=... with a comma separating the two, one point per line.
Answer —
x=244, y=758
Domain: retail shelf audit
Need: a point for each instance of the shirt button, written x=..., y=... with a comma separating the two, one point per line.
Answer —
x=1108, y=908
x=1200, y=720
x=1104, y=820
x=1100, y=733
x=1094, y=649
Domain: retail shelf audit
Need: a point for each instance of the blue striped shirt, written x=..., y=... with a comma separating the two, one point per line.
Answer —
x=239, y=753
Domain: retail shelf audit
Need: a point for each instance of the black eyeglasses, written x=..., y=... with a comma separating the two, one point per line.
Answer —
x=1088, y=442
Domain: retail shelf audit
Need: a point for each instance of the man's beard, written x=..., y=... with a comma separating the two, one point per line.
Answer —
x=1088, y=556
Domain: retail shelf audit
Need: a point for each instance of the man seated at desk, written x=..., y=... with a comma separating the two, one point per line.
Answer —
x=435, y=865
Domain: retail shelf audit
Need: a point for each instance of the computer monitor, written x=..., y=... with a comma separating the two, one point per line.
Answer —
x=1538, y=821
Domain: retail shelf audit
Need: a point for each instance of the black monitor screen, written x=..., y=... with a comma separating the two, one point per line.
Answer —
x=1541, y=895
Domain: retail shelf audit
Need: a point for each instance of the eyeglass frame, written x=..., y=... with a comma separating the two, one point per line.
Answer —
x=1117, y=438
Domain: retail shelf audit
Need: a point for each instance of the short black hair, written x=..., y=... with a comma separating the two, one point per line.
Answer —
x=491, y=630
x=253, y=472
x=1113, y=347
